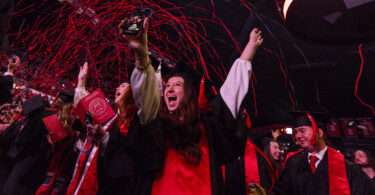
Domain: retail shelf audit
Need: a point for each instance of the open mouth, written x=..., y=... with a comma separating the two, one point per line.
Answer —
x=172, y=99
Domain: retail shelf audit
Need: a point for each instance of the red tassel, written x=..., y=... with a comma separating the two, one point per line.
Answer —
x=202, y=100
x=248, y=121
x=314, y=127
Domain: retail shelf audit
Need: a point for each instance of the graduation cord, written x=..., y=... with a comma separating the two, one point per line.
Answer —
x=82, y=171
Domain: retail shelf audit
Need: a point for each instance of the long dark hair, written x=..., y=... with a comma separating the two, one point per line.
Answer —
x=277, y=167
x=184, y=135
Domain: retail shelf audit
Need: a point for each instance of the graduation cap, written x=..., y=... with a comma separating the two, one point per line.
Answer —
x=186, y=72
x=306, y=118
x=32, y=104
x=66, y=96
x=313, y=119
x=194, y=77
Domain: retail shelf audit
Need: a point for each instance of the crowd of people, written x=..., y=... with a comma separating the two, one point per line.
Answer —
x=161, y=140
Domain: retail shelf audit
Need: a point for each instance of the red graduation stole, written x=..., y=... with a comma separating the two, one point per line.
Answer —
x=89, y=184
x=179, y=177
x=251, y=164
x=338, y=181
x=90, y=181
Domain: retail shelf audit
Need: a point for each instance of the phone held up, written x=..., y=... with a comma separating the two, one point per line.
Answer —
x=134, y=24
x=88, y=120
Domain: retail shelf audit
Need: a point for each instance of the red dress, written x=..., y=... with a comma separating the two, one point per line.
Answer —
x=180, y=177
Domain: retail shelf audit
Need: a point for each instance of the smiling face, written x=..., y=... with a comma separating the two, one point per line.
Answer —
x=275, y=150
x=303, y=135
x=174, y=93
x=120, y=91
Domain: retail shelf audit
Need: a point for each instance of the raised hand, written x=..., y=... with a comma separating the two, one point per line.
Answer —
x=256, y=37
x=138, y=43
x=82, y=75
x=13, y=63
x=83, y=71
x=255, y=41
x=135, y=42
x=96, y=132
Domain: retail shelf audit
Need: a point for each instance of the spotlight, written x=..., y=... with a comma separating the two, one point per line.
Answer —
x=286, y=7
x=289, y=130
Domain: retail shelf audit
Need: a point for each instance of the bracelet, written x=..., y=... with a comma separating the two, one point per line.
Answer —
x=144, y=67
x=140, y=58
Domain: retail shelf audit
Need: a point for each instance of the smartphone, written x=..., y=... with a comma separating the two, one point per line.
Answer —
x=134, y=28
x=88, y=120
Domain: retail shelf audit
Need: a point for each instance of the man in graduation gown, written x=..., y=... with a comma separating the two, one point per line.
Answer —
x=318, y=168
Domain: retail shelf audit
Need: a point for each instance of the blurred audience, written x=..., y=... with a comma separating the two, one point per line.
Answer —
x=363, y=158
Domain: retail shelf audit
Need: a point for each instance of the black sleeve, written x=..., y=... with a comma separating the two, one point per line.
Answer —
x=264, y=172
x=6, y=83
x=283, y=183
x=225, y=132
x=9, y=135
x=359, y=182
x=32, y=139
x=116, y=161
x=235, y=177
x=146, y=145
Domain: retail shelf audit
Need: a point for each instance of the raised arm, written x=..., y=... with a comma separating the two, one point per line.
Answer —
x=236, y=85
x=13, y=64
x=143, y=80
x=255, y=41
x=81, y=91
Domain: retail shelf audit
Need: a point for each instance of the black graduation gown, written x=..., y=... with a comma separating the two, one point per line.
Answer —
x=226, y=139
x=297, y=178
x=6, y=83
x=235, y=175
x=25, y=156
x=116, y=168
